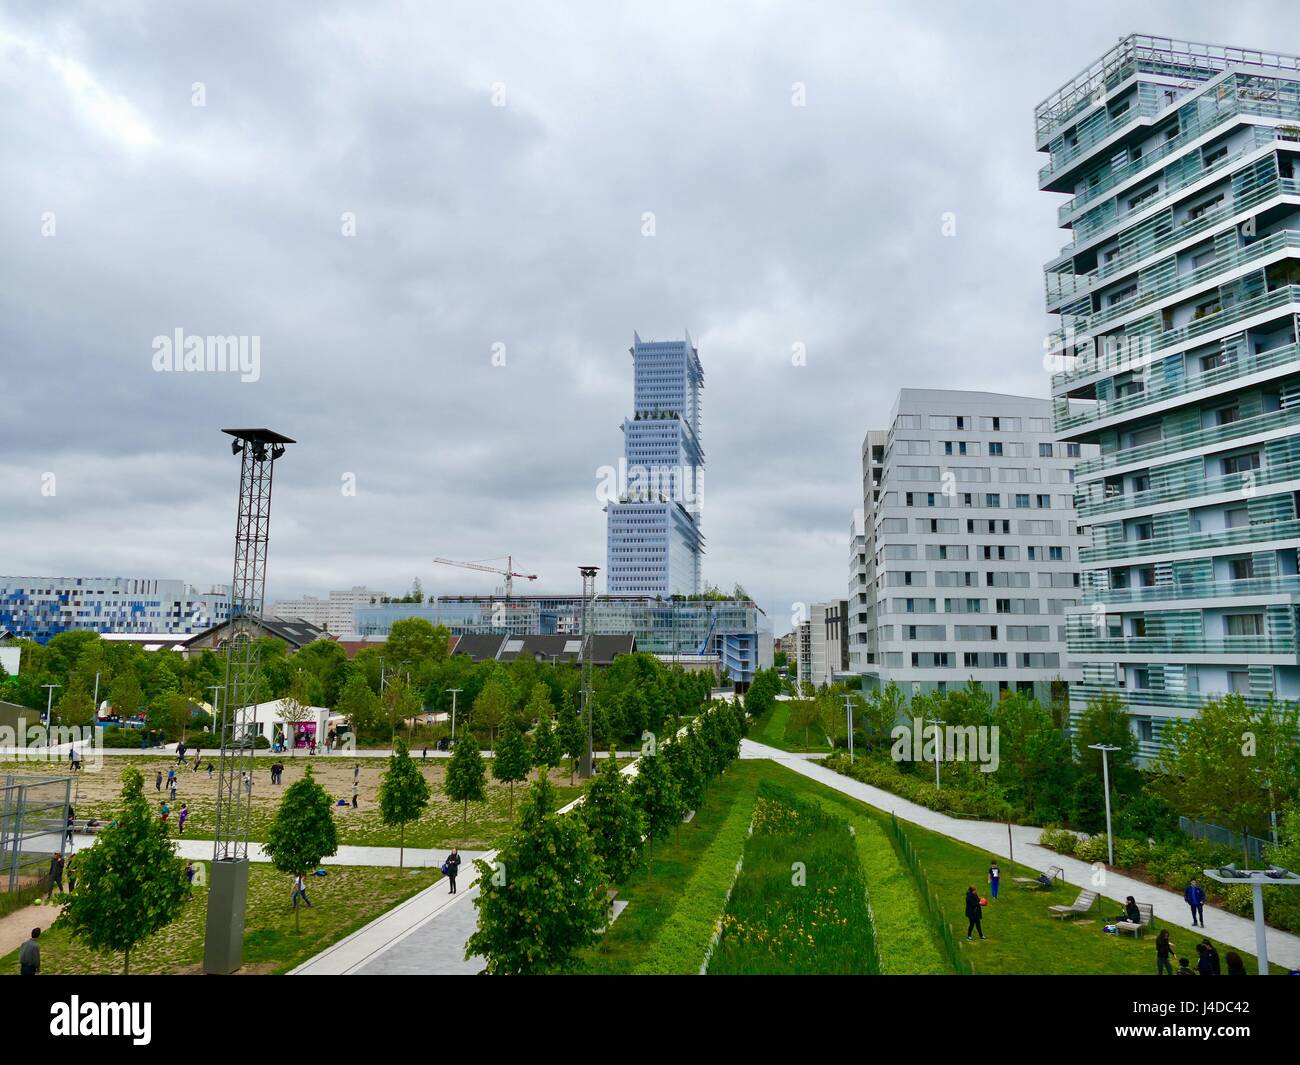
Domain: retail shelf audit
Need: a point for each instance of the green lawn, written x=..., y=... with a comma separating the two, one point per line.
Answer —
x=342, y=902
x=775, y=729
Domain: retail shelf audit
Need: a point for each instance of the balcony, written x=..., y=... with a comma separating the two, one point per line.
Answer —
x=1192, y=541
x=1190, y=488
x=1247, y=588
x=1147, y=647
x=1286, y=240
x=1137, y=697
x=1123, y=358
x=1146, y=105
x=1236, y=367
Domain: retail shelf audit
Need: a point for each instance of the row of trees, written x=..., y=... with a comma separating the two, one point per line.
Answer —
x=545, y=897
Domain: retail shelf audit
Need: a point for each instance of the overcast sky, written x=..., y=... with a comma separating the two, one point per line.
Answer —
x=385, y=195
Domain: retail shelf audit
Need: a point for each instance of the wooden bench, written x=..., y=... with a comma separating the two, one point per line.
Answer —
x=84, y=826
x=1084, y=903
x=1146, y=910
x=1033, y=883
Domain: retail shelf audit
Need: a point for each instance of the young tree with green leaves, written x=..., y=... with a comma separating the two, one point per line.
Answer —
x=543, y=899
x=512, y=759
x=491, y=709
x=466, y=779
x=130, y=883
x=303, y=831
x=613, y=820
x=570, y=734
x=656, y=795
x=403, y=794
x=546, y=745
x=359, y=704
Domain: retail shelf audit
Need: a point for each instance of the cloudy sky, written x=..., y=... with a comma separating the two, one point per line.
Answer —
x=386, y=195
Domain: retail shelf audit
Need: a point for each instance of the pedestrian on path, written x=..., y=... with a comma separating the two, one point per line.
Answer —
x=157, y=781
x=1163, y=951
x=29, y=957
x=355, y=792
x=300, y=891
x=56, y=875
x=451, y=867
x=184, y=816
x=1195, y=899
x=994, y=876
x=974, y=914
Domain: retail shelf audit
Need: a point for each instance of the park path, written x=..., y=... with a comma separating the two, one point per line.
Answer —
x=1020, y=843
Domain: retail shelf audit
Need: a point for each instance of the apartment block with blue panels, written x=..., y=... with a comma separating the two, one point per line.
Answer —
x=1179, y=298
x=39, y=608
x=654, y=542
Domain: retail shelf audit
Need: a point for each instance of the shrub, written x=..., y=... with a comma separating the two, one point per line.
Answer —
x=1061, y=840
x=1091, y=849
x=1129, y=852
x=988, y=804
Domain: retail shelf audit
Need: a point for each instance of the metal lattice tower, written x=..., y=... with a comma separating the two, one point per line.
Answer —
x=258, y=449
x=588, y=764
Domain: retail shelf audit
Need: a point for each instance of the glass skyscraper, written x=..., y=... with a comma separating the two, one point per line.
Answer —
x=654, y=542
x=1179, y=297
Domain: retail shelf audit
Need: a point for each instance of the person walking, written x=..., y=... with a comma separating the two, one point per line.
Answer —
x=165, y=811
x=171, y=778
x=300, y=891
x=995, y=875
x=1194, y=896
x=355, y=792
x=157, y=781
x=56, y=876
x=209, y=770
x=172, y=791
x=71, y=870
x=182, y=818
x=198, y=751
x=451, y=867
x=189, y=872
x=1164, y=950
x=29, y=957
x=974, y=914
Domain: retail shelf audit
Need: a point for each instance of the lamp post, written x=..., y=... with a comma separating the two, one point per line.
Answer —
x=1256, y=878
x=453, y=711
x=94, y=718
x=938, y=745
x=848, y=713
x=49, y=703
x=1105, y=749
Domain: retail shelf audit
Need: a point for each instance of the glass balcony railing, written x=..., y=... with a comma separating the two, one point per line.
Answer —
x=1146, y=104
x=1148, y=347
x=1136, y=697
x=1095, y=410
x=1284, y=240
x=1248, y=587
x=1192, y=541
x=1200, y=439
x=1191, y=488
x=1153, y=646
x=1062, y=286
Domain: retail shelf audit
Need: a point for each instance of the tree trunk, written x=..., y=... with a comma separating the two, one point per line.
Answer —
x=126, y=962
x=464, y=815
x=401, y=848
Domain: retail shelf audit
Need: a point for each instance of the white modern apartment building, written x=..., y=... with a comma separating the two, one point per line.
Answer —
x=974, y=548
x=334, y=614
x=1179, y=297
x=828, y=647
x=38, y=608
x=860, y=631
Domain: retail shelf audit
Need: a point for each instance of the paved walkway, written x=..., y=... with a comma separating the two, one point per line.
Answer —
x=992, y=836
x=415, y=858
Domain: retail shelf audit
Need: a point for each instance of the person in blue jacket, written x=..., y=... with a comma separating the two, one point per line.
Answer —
x=1194, y=896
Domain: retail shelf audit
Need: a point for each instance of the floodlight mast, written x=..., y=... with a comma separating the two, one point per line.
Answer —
x=223, y=947
x=587, y=764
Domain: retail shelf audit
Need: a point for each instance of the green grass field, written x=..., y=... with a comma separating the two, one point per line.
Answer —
x=776, y=729
x=342, y=902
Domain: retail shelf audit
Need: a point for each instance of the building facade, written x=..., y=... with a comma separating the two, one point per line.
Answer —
x=974, y=546
x=828, y=645
x=1179, y=298
x=334, y=614
x=654, y=543
x=861, y=632
x=38, y=608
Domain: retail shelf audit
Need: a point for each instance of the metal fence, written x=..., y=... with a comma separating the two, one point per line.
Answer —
x=1218, y=834
x=34, y=813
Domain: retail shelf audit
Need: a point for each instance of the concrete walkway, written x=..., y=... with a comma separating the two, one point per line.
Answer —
x=992, y=836
x=415, y=858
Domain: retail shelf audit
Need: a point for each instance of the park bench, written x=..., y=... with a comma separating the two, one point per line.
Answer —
x=1082, y=904
x=1054, y=872
x=1147, y=915
x=83, y=825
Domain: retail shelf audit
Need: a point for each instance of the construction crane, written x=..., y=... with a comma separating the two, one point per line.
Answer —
x=509, y=572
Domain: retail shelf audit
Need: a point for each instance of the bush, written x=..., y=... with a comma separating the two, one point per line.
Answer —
x=986, y=804
x=118, y=737
x=1129, y=852
x=1061, y=840
x=1091, y=849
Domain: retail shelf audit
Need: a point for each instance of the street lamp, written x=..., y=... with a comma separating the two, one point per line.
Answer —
x=49, y=703
x=1105, y=749
x=1256, y=878
x=848, y=713
x=938, y=744
x=453, y=711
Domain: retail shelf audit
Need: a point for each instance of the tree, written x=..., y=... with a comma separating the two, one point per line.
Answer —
x=543, y=899
x=512, y=759
x=403, y=794
x=491, y=708
x=76, y=706
x=1105, y=720
x=683, y=760
x=881, y=711
x=359, y=704
x=130, y=883
x=400, y=704
x=295, y=708
x=656, y=795
x=570, y=734
x=804, y=713
x=546, y=745
x=303, y=831
x=613, y=820
x=466, y=781
x=124, y=694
